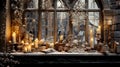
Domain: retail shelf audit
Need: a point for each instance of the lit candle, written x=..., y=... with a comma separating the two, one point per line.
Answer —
x=26, y=44
x=91, y=42
x=36, y=43
x=98, y=30
x=14, y=37
x=61, y=37
x=25, y=49
x=30, y=39
x=22, y=42
x=32, y=44
x=91, y=38
x=52, y=45
x=10, y=42
x=41, y=41
x=29, y=48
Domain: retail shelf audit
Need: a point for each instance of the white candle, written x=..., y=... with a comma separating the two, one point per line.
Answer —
x=61, y=37
x=41, y=41
x=29, y=48
x=14, y=37
x=22, y=42
x=25, y=49
x=52, y=45
x=36, y=43
x=91, y=42
x=26, y=44
x=91, y=39
x=98, y=30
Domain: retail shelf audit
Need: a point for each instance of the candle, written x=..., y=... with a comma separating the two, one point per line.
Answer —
x=25, y=49
x=22, y=42
x=52, y=45
x=32, y=44
x=36, y=43
x=98, y=30
x=91, y=42
x=41, y=41
x=14, y=37
x=61, y=37
x=91, y=39
x=10, y=42
x=26, y=44
x=30, y=39
x=29, y=48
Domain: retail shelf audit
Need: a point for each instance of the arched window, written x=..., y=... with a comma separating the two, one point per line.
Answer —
x=48, y=20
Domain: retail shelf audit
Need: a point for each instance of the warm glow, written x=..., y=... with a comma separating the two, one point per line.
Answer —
x=91, y=31
x=41, y=41
x=91, y=42
x=33, y=20
x=14, y=37
x=10, y=41
x=29, y=48
x=22, y=42
x=25, y=49
x=32, y=44
x=109, y=22
x=36, y=43
x=91, y=39
x=26, y=43
x=52, y=45
x=8, y=23
x=99, y=29
x=61, y=37
x=36, y=39
x=14, y=34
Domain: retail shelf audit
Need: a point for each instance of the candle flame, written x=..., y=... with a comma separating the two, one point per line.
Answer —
x=99, y=27
x=22, y=42
x=32, y=44
x=14, y=34
x=36, y=39
x=92, y=39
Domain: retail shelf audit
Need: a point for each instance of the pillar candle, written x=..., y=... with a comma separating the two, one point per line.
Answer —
x=61, y=37
x=36, y=43
x=99, y=30
x=91, y=42
x=91, y=39
x=52, y=45
x=25, y=49
x=22, y=42
x=14, y=37
x=29, y=48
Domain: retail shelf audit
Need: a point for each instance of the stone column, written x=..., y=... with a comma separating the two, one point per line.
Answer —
x=55, y=22
x=70, y=23
x=86, y=23
x=39, y=21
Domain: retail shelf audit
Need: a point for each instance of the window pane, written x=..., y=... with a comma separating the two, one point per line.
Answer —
x=92, y=4
x=31, y=22
x=33, y=4
x=80, y=4
x=47, y=26
x=62, y=22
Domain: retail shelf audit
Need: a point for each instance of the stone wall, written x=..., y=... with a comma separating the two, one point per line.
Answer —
x=2, y=24
x=117, y=25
